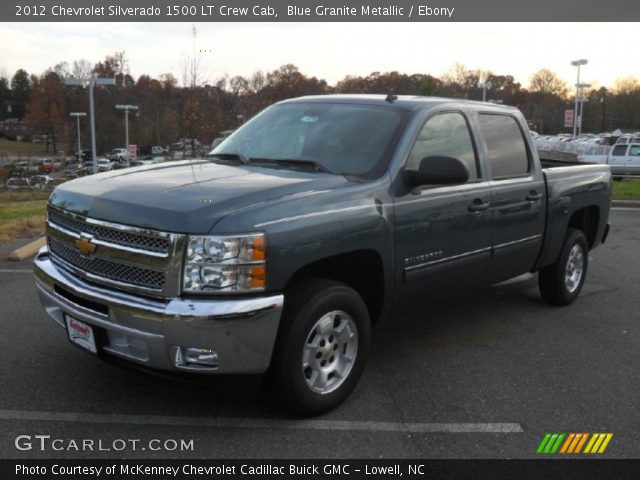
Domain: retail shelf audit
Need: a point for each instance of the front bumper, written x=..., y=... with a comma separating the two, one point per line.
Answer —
x=149, y=332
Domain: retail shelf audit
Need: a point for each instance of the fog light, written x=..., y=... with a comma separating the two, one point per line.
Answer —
x=192, y=357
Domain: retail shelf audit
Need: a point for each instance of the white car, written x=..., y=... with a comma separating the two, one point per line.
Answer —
x=158, y=150
x=16, y=183
x=118, y=154
x=41, y=181
x=104, y=165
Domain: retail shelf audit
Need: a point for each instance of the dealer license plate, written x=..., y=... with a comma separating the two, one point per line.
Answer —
x=81, y=334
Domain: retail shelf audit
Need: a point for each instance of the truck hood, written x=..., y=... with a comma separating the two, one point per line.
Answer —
x=186, y=196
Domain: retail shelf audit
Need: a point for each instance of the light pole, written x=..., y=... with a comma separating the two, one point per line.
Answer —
x=126, y=109
x=78, y=115
x=158, y=128
x=485, y=86
x=92, y=82
x=583, y=99
x=577, y=63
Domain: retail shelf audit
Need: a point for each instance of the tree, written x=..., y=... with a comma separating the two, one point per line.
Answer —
x=626, y=86
x=45, y=109
x=547, y=82
x=5, y=98
x=81, y=69
x=20, y=93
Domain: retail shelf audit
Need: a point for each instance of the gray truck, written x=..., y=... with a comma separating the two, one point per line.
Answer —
x=315, y=221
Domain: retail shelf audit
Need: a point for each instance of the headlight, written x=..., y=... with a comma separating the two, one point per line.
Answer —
x=225, y=263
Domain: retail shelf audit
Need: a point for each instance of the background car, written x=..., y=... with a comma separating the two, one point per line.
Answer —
x=41, y=181
x=118, y=154
x=104, y=164
x=47, y=165
x=159, y=150
x=16, y=183
x=83, y=155
x=74, y=170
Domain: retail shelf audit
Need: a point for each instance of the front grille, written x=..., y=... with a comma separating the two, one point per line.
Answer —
x=110, y=235
x=140, y=277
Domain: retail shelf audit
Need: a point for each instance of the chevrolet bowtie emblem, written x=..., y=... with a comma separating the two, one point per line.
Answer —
x=85, y=246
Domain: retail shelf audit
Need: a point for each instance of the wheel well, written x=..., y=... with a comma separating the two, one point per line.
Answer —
x=587, y=220
x=362, y=270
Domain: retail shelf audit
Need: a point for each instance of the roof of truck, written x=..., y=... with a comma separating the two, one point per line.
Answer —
x=409, y=102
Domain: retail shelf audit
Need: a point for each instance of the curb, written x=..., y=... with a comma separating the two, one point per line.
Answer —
x=626, y=203
x=26, y=251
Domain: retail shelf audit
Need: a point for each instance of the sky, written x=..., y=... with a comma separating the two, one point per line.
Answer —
x=332, y=50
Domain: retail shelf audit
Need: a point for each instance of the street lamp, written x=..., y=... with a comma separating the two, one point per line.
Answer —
x=577, y=63
x=78, y=115
x=485, y=86
x=583, y=99
x=91, y=82
x=126, y=109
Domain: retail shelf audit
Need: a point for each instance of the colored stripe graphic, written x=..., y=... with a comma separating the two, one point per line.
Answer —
x=573, y=443
x=598, y=443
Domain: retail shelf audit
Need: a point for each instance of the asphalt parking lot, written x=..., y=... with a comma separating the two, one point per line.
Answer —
x=485, y=377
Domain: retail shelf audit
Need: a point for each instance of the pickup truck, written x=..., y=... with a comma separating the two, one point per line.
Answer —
x=317, y=220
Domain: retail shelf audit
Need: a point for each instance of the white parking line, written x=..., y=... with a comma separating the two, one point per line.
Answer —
x=259, y=423
x=9, y=270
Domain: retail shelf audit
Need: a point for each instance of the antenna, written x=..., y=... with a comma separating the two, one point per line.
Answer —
x=391, y=97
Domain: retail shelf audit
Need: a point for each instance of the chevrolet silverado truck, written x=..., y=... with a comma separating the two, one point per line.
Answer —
x=317, y=220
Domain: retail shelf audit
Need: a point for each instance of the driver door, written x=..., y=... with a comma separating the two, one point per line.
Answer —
x=443, y=233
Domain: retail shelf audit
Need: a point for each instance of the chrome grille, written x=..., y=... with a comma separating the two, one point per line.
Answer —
x=114, y=236
x=118, y=272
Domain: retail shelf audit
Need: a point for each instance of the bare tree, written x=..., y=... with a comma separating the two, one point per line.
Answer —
x=546, y=81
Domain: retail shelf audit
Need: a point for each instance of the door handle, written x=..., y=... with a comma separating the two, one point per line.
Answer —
x=533, y=196
x=478, y=205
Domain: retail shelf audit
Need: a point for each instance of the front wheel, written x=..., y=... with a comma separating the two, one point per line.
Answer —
x=321, y=348
x=560, y=283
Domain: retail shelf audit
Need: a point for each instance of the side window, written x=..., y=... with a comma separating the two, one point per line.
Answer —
x=445, y=134
x=619, y=151
x=634, y=151
x=506, y=146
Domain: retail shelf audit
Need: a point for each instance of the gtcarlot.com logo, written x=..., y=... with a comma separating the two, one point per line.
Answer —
x=573, y=443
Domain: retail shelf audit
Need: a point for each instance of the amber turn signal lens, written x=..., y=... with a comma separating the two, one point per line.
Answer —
x=258, y=277
x=258, y=248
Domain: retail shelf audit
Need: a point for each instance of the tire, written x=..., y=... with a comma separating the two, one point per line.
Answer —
x=560, y=283
x=325, y=329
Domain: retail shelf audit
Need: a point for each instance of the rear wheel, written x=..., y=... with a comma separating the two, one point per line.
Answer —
x=321, y=348
x=560, y=283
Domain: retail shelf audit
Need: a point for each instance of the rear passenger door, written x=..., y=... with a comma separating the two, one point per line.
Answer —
x=518, y=196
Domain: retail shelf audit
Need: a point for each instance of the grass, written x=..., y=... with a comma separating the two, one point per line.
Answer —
x=11, y=148
x=22, y=214
x=626, y=190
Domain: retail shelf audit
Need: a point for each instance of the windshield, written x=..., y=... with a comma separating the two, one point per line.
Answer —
x=342, y=138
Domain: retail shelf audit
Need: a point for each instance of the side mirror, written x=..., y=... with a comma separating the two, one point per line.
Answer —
x=439, y=170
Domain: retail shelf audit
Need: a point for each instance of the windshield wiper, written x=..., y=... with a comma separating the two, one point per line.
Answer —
x=231, y=156
x=293, y=162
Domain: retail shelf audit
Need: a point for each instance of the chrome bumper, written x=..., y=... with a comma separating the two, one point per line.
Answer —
x=148, y=332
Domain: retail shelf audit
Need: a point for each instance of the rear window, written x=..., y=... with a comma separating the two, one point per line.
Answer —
x=506, y=147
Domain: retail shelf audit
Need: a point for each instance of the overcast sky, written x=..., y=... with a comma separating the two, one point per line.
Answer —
x=332, y=50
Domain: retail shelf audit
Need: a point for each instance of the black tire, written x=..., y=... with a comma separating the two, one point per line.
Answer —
x=551, y=279
x=305, y=304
